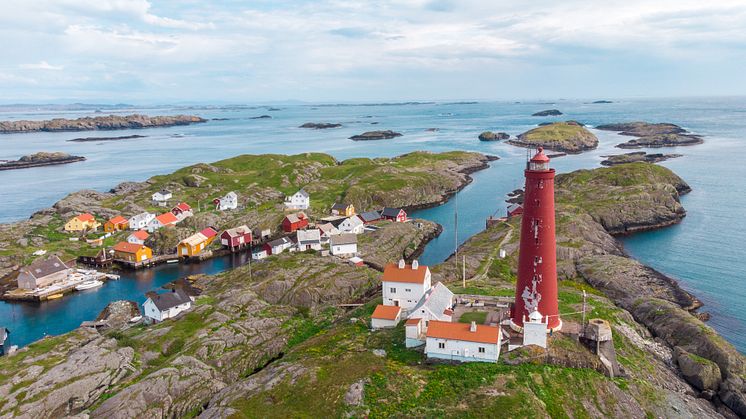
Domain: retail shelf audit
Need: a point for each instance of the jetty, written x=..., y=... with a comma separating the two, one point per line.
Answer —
x=59, y=288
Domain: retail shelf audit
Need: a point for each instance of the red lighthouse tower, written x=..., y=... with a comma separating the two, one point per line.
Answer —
x=536, y=288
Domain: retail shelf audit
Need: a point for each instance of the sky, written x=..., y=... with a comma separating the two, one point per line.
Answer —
x=146, y=52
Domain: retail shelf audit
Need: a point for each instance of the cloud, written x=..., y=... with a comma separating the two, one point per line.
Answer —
x=42, y=65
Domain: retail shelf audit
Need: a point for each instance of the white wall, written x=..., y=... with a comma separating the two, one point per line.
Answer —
x=535, y=334
x=407, y=294
x=382, y=323
x=459, y=350
x=345, y=249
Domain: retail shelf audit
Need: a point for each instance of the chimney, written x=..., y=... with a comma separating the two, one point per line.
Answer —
x=401, y=264
x=473, y=327
x=415, y=264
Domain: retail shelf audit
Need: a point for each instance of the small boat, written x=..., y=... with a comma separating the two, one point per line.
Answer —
x=135, y=319
x=172, y=261
x=54, y=296
x=94, y=283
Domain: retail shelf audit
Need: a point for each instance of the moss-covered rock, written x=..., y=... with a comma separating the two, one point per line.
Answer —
x=566, y=137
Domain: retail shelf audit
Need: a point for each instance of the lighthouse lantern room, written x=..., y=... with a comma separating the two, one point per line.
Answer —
x=536, y=288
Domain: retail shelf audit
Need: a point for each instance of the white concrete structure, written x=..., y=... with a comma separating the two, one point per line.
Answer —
x=159, y=307
x=535, y=330
x=414, y=332
x=404, y=285
x=298, y=201
x=344, y=245
x=352, y=225
x=228, y=202
x=462, y=342
x=384, y=317
x=140, y=221
x=435, y=304
x=308, y=239
x=161, y=197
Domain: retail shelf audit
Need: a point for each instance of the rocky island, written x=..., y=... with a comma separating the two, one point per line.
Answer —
x=39, y=159
x=94, y=139
x=566, y=137
x=493, y=136
x=375, y=135
x=110, y=122
x=637, y=156
x=277, y=341
x=652, y=135
x=319, y=125
x=548, y=112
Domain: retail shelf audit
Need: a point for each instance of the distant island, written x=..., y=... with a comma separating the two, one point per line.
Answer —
x=652, y=135
x=601, y=101
x=261, y=117
x=375, y=135
x=548, y=112
x=566, y=137
x=493, y=136
x=110, y=122
x=93, y=139
x=637, y=156
x=319, y=125
x=39, y=159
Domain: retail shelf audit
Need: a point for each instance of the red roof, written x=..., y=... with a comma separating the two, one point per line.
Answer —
x=392, y=273
x=386, y=312
x=126, y=247
x=86, y=217
x=461, y=331
x=413, y=322
x=118, y=220
x=540, y=157
x=141, y=234
x=167, y=218
x=209, y=232
x=184, y=206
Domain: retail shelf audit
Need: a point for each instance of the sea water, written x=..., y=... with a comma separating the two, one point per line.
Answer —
x=704, y=252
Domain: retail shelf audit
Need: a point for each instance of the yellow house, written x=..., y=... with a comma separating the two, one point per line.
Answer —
x=117, y=223
x=132, y=252
x=82, y=222
x=344, y=210
x=196, y=243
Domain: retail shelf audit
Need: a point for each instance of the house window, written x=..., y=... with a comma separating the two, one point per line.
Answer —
x=393, y=290
x=441, y=345
x=408, y=290
x=481, y=350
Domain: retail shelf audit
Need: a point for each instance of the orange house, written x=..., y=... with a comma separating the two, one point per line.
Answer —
x=117, y=223
x=132, y=252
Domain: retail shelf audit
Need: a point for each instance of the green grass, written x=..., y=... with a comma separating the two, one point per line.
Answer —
x=474, y=316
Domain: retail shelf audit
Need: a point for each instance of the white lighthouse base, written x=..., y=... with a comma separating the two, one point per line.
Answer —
x=519, y=329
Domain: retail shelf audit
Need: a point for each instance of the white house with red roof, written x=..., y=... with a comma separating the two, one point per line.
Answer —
x=404, y=285
x=435, y=304
x=138, y=237
x=182, y=211
x=163, y=220
x=463, y=342
x=385, y=317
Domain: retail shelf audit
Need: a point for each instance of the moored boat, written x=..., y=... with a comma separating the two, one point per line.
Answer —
x=94, y=283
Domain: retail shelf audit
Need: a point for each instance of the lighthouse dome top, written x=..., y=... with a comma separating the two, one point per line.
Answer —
x=540, y=157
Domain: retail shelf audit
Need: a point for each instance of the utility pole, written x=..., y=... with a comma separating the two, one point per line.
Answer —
x=463, y=268
x=455, y=230
x=583, y=322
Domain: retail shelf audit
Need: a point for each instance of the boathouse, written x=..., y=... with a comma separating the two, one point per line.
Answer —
x=42, y=272
x=236, y=238
x=130, y=252
x=394, y=214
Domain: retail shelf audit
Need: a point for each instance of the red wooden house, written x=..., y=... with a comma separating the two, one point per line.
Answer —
x=236, y=238
x=515, y=209
x=182, y=208
x=394, y=214
x=293, y=222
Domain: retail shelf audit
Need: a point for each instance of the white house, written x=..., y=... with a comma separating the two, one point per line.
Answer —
x=228, y=202
x=298, y=201
x=462, y=342
x=435, y=304
x=344, y=245
x=404, y=285
x=352, y=225
x=277, y=246
x=140, y=221
x=138, y=237
x=163, y=220
x=161, y=197
x=535, y=330
x=259, y=254
x=327, y=231
x=414, y=332
x=385, y=317
x=308, y=239
x=159, y=307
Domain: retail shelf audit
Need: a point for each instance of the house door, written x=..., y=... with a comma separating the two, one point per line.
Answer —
x=396, y=303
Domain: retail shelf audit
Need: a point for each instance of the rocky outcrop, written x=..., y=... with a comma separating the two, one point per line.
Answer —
x=601, y=101
x=261, y=117
x=319, y=125
x=702, y=373
x=548, y=112
x=566, y=137
x=40, y=159
x=493, y=136
x=111, y=122
x=375, y=135
x=637, y=156
x=94, y=139
x=652, y=135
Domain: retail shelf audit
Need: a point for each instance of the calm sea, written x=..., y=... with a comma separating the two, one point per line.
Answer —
x=705, y=253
